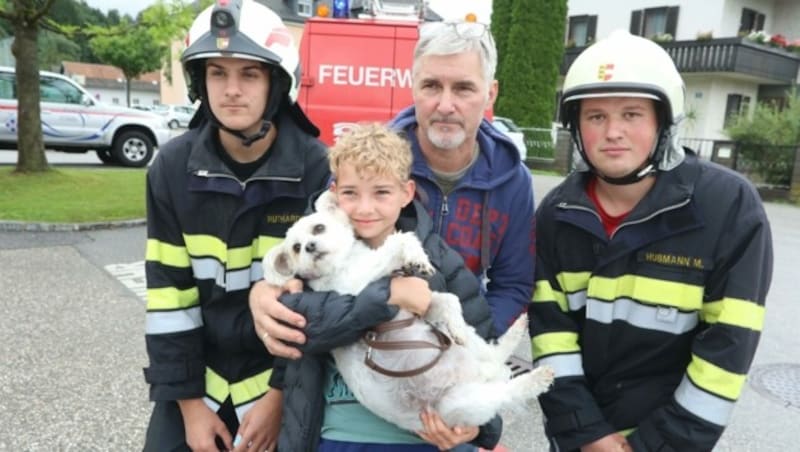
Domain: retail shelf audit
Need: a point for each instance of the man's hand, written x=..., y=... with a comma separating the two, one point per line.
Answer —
x=268, y=313
x=410, y=293
x=436, y=432
x=260, y=426
x=203, y=426
x=609, y=443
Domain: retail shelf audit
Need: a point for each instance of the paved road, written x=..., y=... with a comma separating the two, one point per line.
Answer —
x=72, y=350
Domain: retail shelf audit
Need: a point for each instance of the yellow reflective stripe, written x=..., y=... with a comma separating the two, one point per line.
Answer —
x=250, y=388
x=573, y=281
x=627, y=431
x=241, y=392
x=167, y=254
x=544, y=293
x=216, y=386
x=233, y=258
x=549, y=343
x=265, y=243
x=170, y=298
x=686, y=297
x=201, y=245
x=715, y=379
x=733, y=311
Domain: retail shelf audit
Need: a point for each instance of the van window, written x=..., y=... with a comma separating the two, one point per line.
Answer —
x=7, y=86
x=60, y=91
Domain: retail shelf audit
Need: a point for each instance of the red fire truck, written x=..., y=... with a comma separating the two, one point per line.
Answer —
x=357, y=69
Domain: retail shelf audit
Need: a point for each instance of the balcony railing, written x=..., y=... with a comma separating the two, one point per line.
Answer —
x=734, y=55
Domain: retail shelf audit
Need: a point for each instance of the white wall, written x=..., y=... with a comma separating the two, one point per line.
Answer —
x=694, y=15
x=710, y=109
x=107, y=96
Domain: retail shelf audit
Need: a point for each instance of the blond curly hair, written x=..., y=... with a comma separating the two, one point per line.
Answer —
x=375, y=149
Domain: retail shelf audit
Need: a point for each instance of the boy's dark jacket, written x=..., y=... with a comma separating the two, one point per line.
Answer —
x=337, y=321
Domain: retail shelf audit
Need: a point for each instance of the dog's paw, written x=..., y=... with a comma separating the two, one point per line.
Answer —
x=423, y=270
x=544, y=376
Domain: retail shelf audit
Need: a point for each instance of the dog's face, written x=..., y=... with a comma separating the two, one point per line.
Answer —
x=315, y=245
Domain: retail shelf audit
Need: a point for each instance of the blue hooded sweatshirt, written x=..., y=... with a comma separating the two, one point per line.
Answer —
x=504, y=264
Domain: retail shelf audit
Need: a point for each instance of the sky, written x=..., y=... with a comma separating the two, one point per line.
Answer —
x=449, y=9
x=130, y=7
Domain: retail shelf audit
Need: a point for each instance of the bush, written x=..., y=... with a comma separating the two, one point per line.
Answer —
x=765, y=142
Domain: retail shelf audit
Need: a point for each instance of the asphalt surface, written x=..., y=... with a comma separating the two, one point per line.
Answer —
x=72, y=346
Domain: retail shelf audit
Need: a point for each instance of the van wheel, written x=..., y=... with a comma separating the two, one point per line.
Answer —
x=173, y=124
x=132, y=148
x=105, y=156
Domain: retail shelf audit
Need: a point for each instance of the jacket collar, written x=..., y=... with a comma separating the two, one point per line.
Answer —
x=285, y=163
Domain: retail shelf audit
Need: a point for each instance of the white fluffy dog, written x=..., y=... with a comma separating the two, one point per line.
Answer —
x=466, y=384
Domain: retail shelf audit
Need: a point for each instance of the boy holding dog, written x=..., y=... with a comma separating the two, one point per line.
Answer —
x=371, y=168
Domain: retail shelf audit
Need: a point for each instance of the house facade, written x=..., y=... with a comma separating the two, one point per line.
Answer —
x=725, y=68
x=107, y=83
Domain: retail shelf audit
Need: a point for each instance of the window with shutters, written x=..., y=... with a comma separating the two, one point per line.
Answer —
x=752, y=20
x=304, y=8
x=582, y=30
x=737, y=104
x=655, y=21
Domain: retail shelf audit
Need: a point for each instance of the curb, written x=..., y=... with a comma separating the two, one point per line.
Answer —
x=23, y=226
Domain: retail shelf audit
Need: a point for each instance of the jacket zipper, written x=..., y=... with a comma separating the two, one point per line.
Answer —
x=564, y=205
x=442, y=213
x=205, y=173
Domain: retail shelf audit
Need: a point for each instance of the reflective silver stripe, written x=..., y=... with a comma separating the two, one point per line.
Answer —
x=241, y=410
x=237, y=280
x=564, y=365
x=211, y=404
x=576, y=300
x=659, y=318
x=160, y=322
x=209, y=268
x=703, y=404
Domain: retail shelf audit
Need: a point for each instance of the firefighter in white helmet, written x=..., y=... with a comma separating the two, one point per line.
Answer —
x=652, y=267
x=218, y=197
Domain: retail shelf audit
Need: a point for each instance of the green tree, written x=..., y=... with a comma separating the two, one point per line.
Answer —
x=501, y=22
x=531, y=61
x=25, y=17
x=144, y=46
x=766, y=140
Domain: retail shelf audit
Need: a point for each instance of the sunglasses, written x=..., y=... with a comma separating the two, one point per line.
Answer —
x=466, y=30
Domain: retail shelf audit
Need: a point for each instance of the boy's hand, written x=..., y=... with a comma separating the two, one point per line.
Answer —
x=410, y=293
x=203, y=426
x=260, y=426
x=439, y=434
x=609, y=443
x=268, y=313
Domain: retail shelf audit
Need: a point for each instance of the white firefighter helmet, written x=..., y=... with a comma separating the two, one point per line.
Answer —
x=240, y=29
x=624, y=65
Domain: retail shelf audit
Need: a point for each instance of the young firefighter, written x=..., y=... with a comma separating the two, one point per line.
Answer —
x=653, y=267
x=217, y=198
x=371, y=169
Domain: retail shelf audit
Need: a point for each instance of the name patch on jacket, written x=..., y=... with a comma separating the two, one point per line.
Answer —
x=673, y=260
x=283, y=218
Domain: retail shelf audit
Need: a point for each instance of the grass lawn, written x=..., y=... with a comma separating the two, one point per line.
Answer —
x=72, y=195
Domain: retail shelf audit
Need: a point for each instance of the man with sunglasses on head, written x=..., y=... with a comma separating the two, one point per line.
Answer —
x=471, y=180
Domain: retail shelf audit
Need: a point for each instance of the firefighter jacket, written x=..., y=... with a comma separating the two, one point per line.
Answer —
x=655, y=328
x=207, y=233
x=487, y=217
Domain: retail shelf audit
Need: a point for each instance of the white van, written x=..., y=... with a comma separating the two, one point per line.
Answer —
x=72, y=121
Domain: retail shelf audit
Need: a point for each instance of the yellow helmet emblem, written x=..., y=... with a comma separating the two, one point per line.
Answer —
x=605, y=72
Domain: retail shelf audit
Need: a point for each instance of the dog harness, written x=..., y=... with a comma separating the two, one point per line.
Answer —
x=371, y=338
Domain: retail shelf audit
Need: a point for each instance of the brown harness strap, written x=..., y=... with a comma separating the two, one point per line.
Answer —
x=371, y=339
